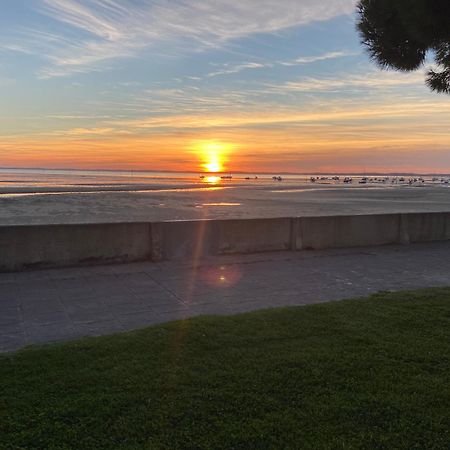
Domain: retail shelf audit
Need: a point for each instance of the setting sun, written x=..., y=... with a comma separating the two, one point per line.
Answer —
x=213, y=166
x=213, y=155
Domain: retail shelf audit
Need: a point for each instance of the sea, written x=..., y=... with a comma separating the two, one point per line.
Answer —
x=19, y=180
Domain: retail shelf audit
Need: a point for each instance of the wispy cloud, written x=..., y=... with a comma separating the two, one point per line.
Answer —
x=316, y=58
x=109, y=29
x=89, y=132
x=230, y=69
x=371, y=80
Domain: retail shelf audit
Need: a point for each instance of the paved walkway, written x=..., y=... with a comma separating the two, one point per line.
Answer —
x=53, y=305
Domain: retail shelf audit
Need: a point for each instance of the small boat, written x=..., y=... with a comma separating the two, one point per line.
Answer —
x=226, y=177
x=363, y=180
x=348, y=180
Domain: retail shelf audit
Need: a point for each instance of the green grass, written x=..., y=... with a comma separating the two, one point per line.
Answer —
x=362, y=374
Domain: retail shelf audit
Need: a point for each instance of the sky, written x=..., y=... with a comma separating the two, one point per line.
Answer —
x=255, y=85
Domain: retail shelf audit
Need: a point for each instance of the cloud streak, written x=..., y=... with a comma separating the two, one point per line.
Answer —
x=230, y=69
x=316, y=58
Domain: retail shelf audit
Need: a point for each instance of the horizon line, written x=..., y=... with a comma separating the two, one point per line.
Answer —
x=364, y=173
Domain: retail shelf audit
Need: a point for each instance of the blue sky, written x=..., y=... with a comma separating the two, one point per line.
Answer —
x=150, y=84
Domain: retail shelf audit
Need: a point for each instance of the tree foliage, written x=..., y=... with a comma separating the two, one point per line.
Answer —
x=399, y=34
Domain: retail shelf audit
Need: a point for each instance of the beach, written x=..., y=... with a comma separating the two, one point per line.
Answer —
x=46, y=197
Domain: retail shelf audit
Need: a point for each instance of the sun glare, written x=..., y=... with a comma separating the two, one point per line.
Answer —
x=213, y=166
x=213, y=156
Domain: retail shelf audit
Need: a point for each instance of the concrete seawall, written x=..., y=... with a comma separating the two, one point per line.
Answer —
x=24, y=247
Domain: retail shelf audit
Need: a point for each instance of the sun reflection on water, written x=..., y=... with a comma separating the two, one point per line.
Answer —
x=211, y=180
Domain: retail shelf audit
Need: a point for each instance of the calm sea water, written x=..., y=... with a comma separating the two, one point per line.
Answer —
x=12, y=179
x=61, y=178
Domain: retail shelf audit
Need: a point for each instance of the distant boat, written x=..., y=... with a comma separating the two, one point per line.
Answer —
x=202, y=177
x=348, y=180
x=363, y=180
x=277, y=178
x=226, y=177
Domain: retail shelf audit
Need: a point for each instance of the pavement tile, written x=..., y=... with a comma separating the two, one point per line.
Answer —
x=49, y=332
x=112, y=300
x=11, y=342
x=76, y=309
x=44, y=318
x=210, y=309
x=90, y=301
x=151, y=289
x=131, y=307
x=169, y=308
x=135, y=278
x=6, y=278
x=91, y=316
x=73, y=284
x=46, y=303
x=9, y=317
x=12, y=328
x=8, y=288
x=156, y=298
x=31, y=276
x=175, y=315
x=9, y=306
x=79, y=297
x=99, y=328
x=137, y=320
x=67, y=274
x=112, y=290
x=36, y=286
x=147, y=267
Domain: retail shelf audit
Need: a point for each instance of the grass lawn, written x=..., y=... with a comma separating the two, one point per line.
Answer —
x=362, y=374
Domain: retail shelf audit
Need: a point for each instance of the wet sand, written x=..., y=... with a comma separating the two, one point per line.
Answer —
x=181, y=201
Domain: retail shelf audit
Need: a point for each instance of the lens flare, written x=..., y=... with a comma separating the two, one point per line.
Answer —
x=222, y=277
